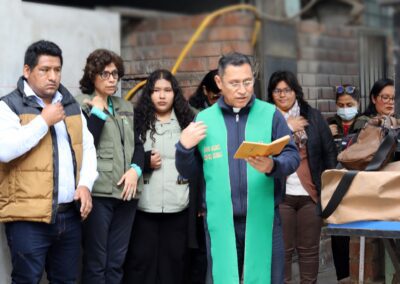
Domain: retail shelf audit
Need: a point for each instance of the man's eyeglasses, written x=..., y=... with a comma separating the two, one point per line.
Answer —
x=386, y=98
x=345, y=90
x=106, y=74
x=246, y=84
x=278, y=92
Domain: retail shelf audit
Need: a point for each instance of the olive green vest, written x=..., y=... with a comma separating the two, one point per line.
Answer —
x=115, y=148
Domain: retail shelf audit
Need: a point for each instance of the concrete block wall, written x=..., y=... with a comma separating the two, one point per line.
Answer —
x=327, y=57
x=77, y=31
x=157, y=42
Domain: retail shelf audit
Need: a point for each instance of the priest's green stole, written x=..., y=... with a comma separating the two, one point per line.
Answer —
x=260, y=199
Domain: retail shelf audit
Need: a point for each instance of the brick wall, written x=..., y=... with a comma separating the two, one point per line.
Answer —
x=327, y=57
x=150, y=44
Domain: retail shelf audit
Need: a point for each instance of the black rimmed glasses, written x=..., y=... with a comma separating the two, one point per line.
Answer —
x=345, y=90
x=106, y=74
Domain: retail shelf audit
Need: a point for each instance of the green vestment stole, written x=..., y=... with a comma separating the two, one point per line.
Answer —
x=260, y=199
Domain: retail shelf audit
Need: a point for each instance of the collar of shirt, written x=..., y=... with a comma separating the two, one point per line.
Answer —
x=29, y=92
x=229, y=109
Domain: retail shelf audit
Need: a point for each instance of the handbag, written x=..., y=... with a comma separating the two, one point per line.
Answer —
x=353, y=195
x=379, y=133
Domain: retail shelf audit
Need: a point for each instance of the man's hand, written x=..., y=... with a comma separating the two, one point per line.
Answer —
x=155, y=159
x=297, y=123
x=261, y=164
x=82, y=193
x=193, y=134
x=53, y=113
x=129, y=179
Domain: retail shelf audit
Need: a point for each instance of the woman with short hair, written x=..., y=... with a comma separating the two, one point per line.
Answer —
x=120, y=158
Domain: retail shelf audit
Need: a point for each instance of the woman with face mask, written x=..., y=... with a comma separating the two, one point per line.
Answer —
x=342, y=124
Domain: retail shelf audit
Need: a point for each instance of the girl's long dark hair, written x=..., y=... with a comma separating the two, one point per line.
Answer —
x=145, y=112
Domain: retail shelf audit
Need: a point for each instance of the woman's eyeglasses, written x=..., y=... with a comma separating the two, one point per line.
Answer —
x=345, y=90
x=278, y=92
x=106, y=74
x=386, y=98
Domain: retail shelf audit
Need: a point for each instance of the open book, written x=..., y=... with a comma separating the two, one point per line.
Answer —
x=252, y=149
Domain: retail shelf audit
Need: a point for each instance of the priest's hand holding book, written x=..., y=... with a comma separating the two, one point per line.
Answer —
x=258, y=155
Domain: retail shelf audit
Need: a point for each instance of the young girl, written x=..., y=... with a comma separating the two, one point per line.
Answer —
x=159, y=242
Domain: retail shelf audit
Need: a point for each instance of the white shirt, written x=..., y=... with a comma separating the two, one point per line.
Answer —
x=294, y=186
x=17, y=139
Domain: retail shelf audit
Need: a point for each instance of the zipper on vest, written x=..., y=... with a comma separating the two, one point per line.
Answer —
x=122, y=136
x=54, y=202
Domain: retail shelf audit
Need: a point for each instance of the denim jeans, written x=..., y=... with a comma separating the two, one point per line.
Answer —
x=36, y=246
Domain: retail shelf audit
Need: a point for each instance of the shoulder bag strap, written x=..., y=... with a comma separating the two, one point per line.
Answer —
x=339, y=193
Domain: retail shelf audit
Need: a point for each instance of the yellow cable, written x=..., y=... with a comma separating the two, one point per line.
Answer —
x=257, y=28
x=197, y=34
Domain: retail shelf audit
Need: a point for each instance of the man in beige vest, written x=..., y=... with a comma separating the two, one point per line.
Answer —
x=47, y=166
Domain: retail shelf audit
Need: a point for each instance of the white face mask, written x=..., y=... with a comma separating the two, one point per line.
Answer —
x=347, y=113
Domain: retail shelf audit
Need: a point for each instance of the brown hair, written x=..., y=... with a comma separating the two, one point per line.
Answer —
x=95, y=64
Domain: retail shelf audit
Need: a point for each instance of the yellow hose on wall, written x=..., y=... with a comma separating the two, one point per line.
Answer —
x=206, y=21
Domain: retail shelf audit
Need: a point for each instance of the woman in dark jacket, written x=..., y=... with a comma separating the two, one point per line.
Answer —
x=300, y=222
x=342, y=128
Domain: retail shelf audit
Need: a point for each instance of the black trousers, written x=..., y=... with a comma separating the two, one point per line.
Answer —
x=198, y=256
x=340, y=252
x=106, y=235
x=157, y=249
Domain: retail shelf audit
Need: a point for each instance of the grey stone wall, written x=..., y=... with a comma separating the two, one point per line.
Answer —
x=327, y=57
